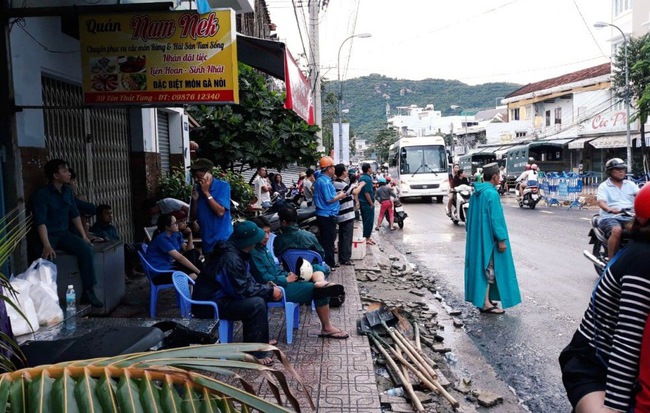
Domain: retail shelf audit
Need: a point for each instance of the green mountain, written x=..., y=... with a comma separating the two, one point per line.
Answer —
x=366, y=98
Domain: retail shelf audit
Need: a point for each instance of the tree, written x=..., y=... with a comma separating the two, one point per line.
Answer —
x=256, y=132
x=638, y=59
x=382, y=142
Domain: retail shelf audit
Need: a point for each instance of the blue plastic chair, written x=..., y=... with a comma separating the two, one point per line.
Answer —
x=182, y=284
x=269, y=246
x=290, y=257
x=152, y=273
x=291, y=313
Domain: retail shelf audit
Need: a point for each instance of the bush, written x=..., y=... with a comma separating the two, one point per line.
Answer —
x=240, y=191
x=176, y=186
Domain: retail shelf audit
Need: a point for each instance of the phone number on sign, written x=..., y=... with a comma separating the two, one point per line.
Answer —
x=226, y=96
x=189, y=97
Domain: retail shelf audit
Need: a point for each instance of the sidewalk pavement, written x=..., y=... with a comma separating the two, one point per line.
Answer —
x=338, y=374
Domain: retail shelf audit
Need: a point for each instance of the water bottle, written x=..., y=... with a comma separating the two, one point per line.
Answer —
x=70, y=299
x=70, y=308
x=395, y=392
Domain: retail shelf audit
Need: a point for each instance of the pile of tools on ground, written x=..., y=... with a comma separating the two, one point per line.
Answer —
x=396, y=337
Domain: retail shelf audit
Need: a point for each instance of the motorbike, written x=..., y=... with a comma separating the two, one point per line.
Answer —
x=599, y=252
x=460, y=205
x=306, y=215
x=503, y=186
x=398, y=213
x=531, y=195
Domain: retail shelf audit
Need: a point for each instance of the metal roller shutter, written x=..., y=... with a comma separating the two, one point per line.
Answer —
x=96, y=144
x=163, y=141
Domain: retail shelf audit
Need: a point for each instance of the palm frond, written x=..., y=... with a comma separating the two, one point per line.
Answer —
x=175, y=380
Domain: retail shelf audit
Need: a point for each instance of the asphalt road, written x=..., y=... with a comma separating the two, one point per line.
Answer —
x=555, y=282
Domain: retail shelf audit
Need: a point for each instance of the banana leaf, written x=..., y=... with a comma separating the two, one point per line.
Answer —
x=174, y=380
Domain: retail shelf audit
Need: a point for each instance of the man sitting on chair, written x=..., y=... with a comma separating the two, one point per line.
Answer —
x=292, y=237
x=309, y=285
x=227, y=281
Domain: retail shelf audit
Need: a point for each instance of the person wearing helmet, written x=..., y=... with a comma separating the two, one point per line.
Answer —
x=385, y=196
x=614, y=195
x=327, y=205
x=530, y=174
x=608, y=351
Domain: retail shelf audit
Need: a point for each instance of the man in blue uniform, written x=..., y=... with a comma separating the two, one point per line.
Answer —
x=210, y=205
x=327, y=205
x=54, y=208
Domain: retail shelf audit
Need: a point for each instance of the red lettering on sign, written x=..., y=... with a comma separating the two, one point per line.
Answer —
x=619, y=118
x=194, y=26
x=144, y=28
x=598, y=122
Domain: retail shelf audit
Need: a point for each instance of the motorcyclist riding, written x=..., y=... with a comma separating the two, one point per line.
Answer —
x=614, y=195
x=530, y=174
x=452, y=176
x=459, y=179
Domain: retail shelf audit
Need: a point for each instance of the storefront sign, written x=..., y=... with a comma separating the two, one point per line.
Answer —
x=298, y=89
x=161, y=58
x=607, y=122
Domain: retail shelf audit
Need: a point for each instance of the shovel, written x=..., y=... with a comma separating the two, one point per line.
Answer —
x=404, y=322
x=379, y=314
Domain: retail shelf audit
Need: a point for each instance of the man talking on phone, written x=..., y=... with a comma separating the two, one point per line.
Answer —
x=210, y=205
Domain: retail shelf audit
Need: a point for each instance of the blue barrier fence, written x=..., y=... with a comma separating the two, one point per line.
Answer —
x=560, y=187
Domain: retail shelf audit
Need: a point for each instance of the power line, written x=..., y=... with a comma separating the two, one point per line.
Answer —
x=588, y=28
x=295, y=12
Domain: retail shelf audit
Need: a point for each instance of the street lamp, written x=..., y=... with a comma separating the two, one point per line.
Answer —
x=462, y=109
x=338, y=76
x=628, y=145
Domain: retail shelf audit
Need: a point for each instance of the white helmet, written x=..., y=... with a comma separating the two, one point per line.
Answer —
x=306, y=269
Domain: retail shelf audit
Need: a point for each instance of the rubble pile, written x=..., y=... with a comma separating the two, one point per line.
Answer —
x=388, y=281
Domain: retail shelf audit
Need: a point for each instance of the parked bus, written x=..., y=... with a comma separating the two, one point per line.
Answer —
x=548, y=155
x=419, y=166
x=472, y=161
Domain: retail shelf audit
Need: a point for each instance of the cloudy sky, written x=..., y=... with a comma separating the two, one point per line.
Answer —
x=474, y=41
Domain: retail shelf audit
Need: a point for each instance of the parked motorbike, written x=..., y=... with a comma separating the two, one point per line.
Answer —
x=460, y=205
x=531, y=195
x=306, y=215
x=398, y=213
x=599, y=252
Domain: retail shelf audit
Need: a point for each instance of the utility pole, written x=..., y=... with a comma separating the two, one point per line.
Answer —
x=314, y=67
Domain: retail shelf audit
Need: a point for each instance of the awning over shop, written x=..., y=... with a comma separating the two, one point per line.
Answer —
x=502, y=151
x=554, y=142
x=606, y=142
x=273, y=58
x=579, y=143
x=264, y=55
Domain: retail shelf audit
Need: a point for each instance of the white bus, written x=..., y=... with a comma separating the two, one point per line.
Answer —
x=419, y=166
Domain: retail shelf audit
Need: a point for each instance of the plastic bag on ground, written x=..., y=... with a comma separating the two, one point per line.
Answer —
x=42, y=277
x=19, y=324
